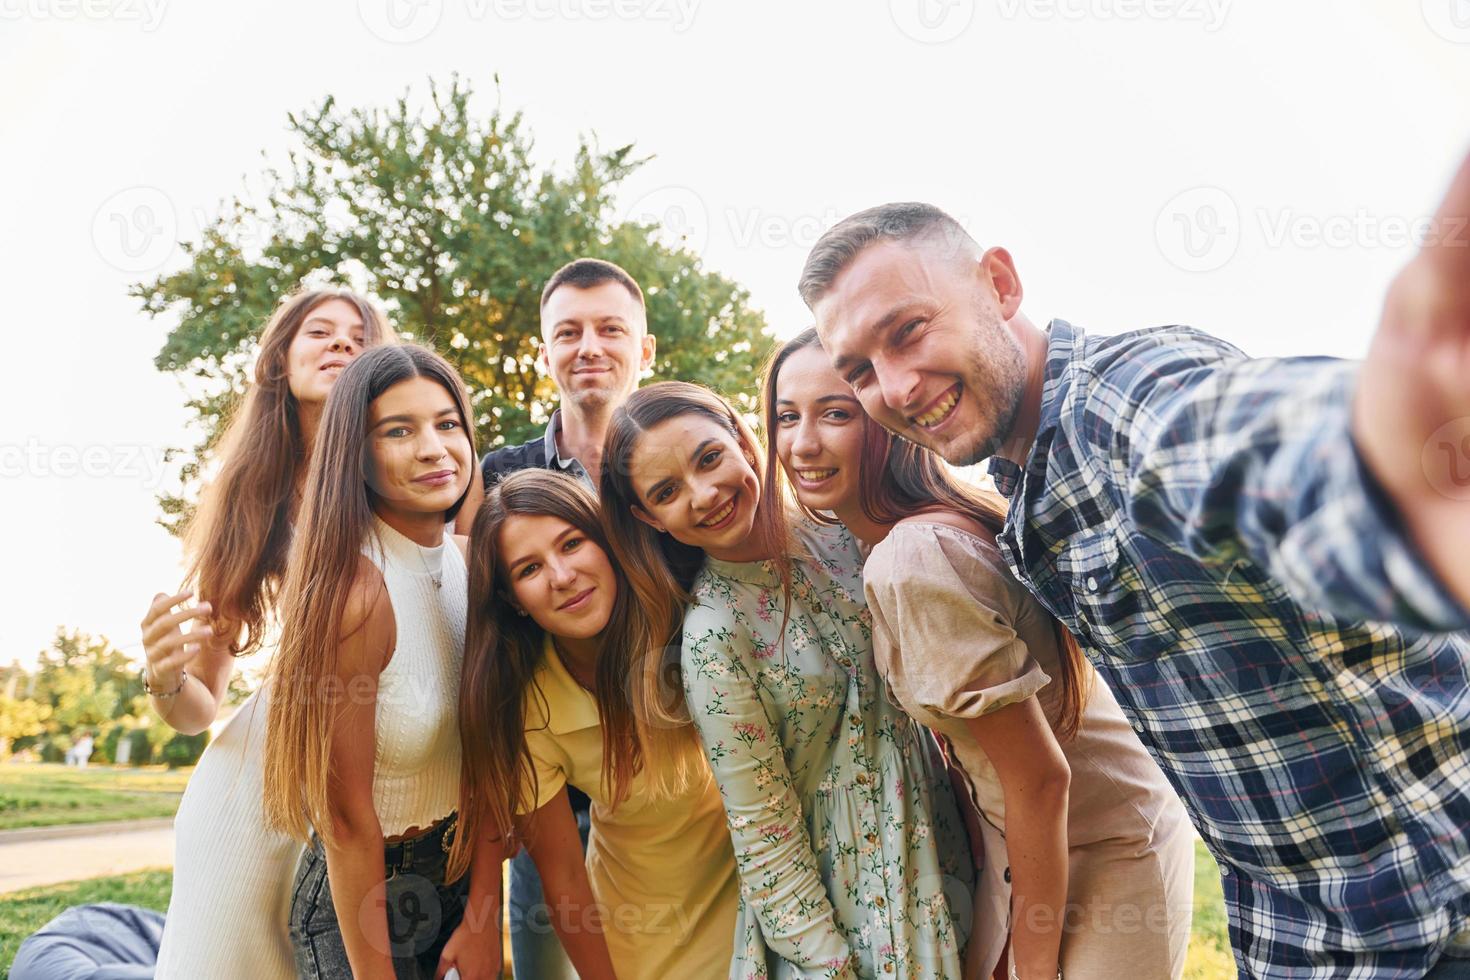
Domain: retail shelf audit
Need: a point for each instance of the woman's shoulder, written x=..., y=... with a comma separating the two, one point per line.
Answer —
x=944, y=547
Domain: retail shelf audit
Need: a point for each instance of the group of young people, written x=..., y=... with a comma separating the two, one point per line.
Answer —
x=807, y=704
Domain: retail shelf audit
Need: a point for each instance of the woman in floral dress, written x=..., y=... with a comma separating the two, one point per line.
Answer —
x=847, y=837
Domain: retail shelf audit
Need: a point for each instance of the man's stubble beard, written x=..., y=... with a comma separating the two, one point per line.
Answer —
x=1002, y=374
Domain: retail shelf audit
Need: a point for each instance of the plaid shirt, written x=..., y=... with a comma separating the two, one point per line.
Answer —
x=1203, y=524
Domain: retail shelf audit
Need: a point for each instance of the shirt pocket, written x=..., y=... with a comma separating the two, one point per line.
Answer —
x=1115, y=612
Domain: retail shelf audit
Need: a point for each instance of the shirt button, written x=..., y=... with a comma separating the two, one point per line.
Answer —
x=1138, y=726
x=1008, y=876
x=855, y=720
x=862, y=779
x=1224, y=870
x=1092, y=583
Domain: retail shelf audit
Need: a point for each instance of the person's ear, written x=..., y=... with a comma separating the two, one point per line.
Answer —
x=647, y=518
x=650, y=349
x=543, y=356
x=1005, y=283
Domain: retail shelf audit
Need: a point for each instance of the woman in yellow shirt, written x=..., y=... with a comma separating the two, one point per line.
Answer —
x=546, y=701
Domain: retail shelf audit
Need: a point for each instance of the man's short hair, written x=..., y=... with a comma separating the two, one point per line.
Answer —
x=585, y=273
x=841, y=243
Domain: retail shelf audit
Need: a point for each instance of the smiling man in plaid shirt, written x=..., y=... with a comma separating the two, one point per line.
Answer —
x=1267, y=561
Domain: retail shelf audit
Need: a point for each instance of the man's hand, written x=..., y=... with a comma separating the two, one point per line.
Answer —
x=1411, y=419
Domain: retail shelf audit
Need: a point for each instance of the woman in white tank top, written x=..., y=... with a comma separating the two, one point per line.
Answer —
x=227, y=914
x=362, y=757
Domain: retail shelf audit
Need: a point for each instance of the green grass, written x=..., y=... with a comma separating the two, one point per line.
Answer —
x=22, y=913
x=1209, y=940
x=49, y=794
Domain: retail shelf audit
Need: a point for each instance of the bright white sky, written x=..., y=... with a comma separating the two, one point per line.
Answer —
x=1306, y=139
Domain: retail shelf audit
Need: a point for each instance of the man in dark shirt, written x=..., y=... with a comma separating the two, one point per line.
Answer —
x=1266, y=560
x=595, y=343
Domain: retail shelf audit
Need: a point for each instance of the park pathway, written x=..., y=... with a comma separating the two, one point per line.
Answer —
x=52, y=855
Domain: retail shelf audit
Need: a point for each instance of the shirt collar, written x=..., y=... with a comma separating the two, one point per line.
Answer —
x=570, y=707
x=1062, y=340
x=554, y=457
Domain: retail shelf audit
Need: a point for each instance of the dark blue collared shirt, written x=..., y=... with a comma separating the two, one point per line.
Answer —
x=1201, y=521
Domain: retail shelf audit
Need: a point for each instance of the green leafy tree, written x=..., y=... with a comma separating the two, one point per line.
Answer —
x=84, y=682
x=20, y=718
x=442, y=213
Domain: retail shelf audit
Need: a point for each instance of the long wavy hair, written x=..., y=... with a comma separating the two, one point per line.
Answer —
x=240, y=533
x=336, y=518
x=897, y=479
x=661, y=570
x=503, y=651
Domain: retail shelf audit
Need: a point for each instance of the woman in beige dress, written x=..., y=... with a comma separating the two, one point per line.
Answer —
x=1088, y=854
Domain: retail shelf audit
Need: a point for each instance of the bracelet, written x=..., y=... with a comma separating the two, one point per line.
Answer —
x=183, y=679
x=1017, y=976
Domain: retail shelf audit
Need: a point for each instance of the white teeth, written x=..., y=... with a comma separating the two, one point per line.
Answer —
x=940, y=411
x=720, y=514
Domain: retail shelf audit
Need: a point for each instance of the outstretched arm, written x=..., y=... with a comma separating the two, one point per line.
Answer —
x=1411, y=415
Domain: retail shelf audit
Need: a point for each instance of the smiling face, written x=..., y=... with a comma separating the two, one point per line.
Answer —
x=421, y=455
x=818, y=431
x=917, y=332
x=557, y=575
x=595, y=343
x=330, y=337
x=696, y=482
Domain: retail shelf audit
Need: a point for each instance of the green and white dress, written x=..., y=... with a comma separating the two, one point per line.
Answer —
x=848, y=841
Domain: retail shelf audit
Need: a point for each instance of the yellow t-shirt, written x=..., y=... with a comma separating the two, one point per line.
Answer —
x=664, y=870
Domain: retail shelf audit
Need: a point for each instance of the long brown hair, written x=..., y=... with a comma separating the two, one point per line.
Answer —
x=240, y=533
x=503, y=651
x=321, y=574
x=661, y=570
x=898, y=479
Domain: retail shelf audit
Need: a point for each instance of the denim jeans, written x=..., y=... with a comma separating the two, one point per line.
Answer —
x=422, y=910
x=534, y=947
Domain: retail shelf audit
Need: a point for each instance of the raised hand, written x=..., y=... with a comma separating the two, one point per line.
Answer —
x=1411, y=419
x=167, y=647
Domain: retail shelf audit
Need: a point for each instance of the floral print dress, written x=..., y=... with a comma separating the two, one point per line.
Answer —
x=847, y=838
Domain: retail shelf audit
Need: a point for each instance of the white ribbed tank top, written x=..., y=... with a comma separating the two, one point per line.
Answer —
x=416, y=768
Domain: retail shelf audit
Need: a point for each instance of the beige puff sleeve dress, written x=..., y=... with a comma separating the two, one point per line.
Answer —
x=957, y=637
